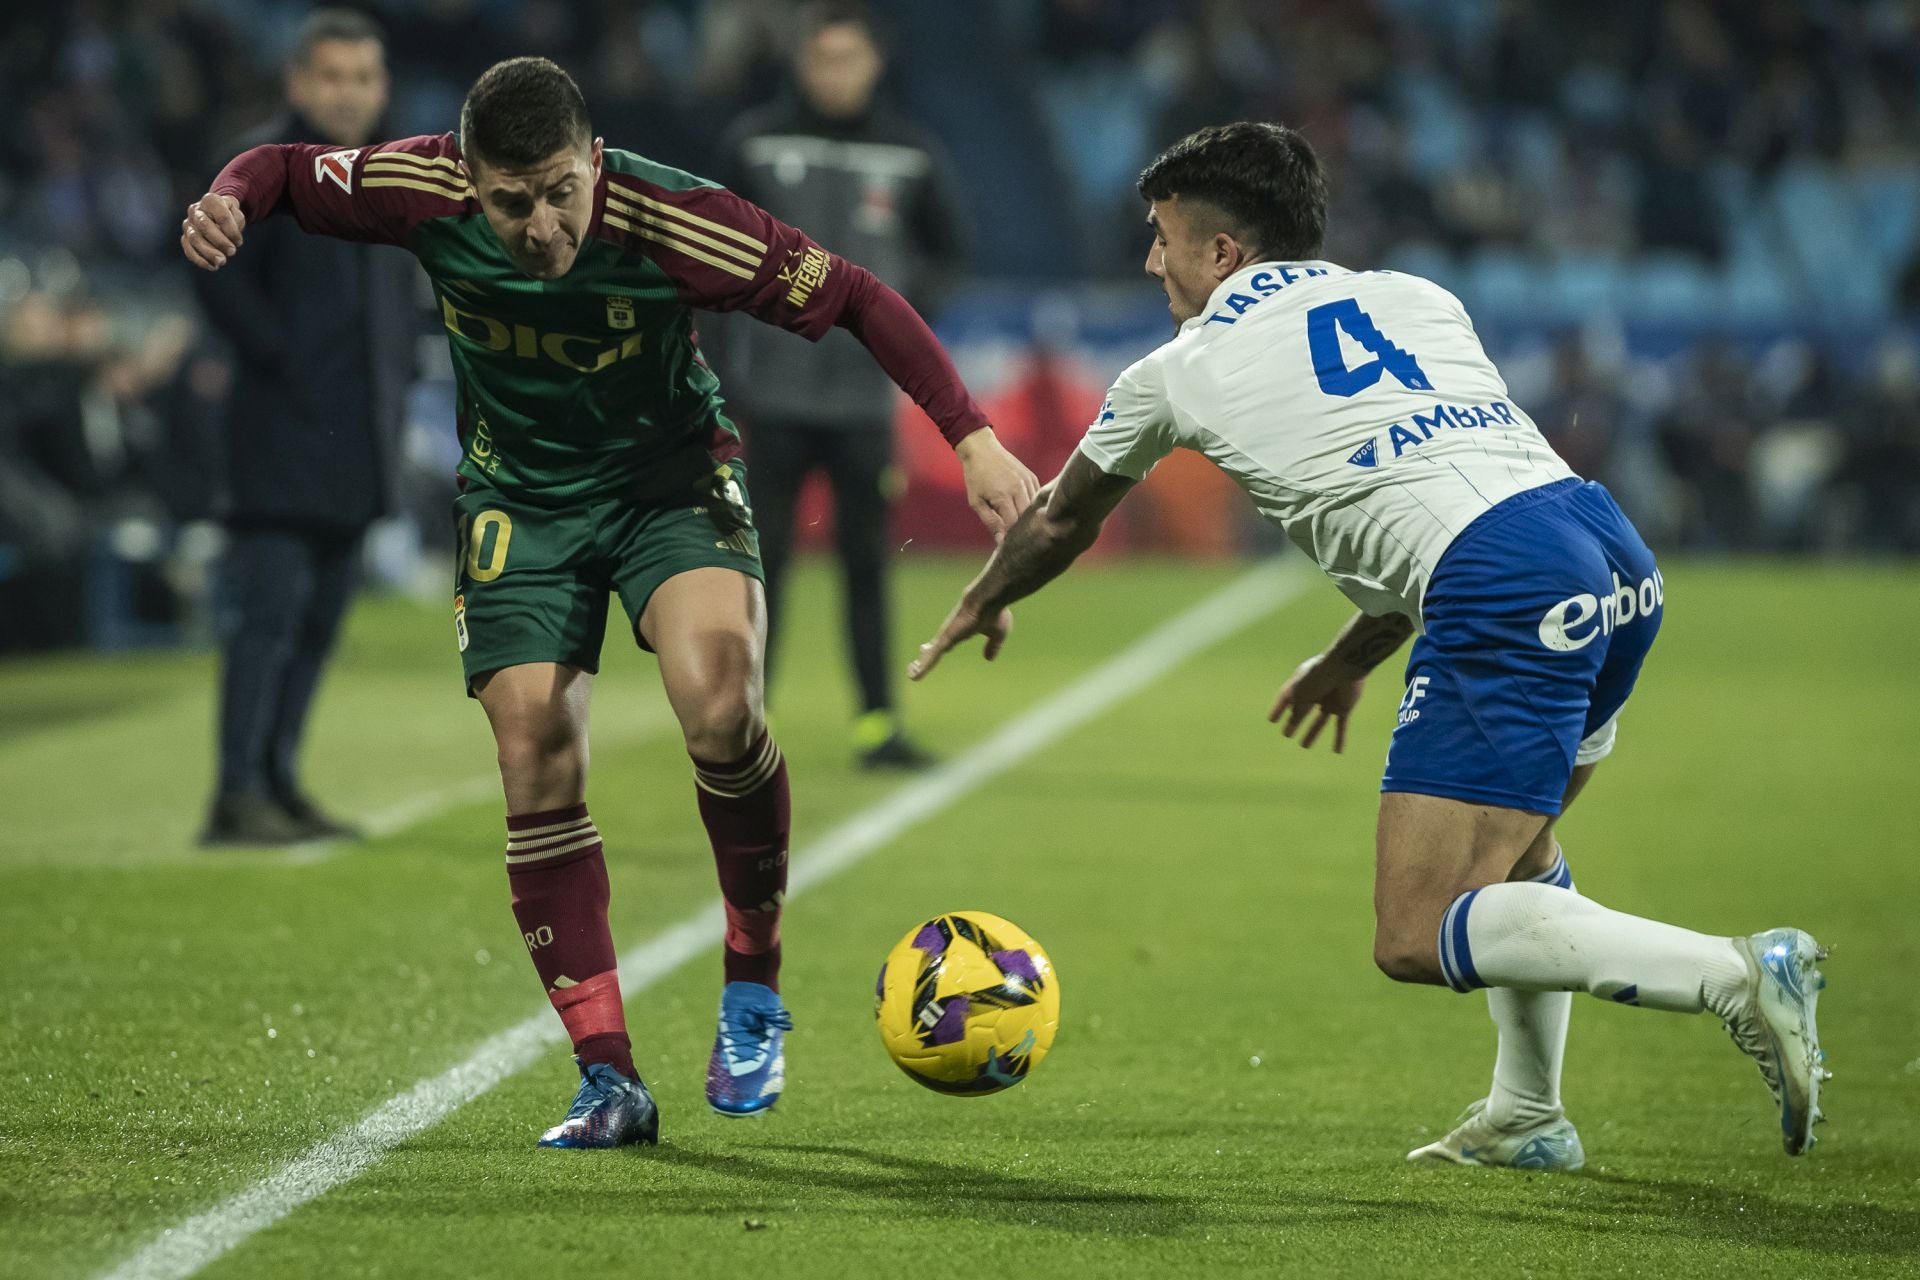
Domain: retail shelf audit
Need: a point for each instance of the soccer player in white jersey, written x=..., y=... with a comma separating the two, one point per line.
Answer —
x=1359, y=412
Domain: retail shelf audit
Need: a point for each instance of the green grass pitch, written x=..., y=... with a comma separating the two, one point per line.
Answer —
x=1233, y=1087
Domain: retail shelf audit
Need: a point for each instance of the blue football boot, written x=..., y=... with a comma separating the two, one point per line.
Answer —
x=748, y=1068
x=611, y=1110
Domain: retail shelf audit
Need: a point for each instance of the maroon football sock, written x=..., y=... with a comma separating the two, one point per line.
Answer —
x=559, y=878
x=748, y=811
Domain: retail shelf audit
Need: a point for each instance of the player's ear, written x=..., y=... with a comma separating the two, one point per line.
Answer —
x=1228, y=257
x=599, y=146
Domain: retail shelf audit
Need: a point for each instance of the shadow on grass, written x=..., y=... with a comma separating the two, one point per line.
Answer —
x=1707, y=1211
x=1610, y=1205
x=939, y=1188
x=25, y=712
x=1342, y=1204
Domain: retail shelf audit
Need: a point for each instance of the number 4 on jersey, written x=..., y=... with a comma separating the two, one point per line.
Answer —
x=1330, y=367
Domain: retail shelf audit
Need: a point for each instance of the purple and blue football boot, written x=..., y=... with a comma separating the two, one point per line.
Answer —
x=611, y=1110
x=748, y=1068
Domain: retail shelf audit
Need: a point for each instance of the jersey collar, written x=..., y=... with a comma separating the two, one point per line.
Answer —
x=1280, y=271
x=599, y=200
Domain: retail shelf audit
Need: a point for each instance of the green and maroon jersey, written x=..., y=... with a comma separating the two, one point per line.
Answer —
x=592, y=385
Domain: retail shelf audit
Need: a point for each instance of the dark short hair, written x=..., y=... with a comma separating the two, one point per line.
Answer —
x=1264, y=177
x=522, y=112
x=822, y=14
x=333, y=24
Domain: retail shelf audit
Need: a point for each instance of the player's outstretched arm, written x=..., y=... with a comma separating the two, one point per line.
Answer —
x=999, y=485
x=375, y=194
x=726, y=253
x=1063, y=521
x=1328, y=685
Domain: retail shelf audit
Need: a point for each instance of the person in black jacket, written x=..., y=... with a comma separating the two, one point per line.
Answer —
x=874, y=187
x=322, y=335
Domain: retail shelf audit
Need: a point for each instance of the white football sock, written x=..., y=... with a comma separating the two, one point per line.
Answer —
x=1536, y=938
x=1526, y=1070
x=1533, y=1039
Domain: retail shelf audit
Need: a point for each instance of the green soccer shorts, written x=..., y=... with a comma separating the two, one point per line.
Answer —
x=531, y=582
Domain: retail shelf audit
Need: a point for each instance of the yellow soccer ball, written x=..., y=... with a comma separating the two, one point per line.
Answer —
x=967, y=1003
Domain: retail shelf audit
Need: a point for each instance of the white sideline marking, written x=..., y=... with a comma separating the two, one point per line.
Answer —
x=410, y=812
x=415, y=810
x=179, y=1251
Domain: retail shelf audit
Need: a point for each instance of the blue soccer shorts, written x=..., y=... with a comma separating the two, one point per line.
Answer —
x=1537, y=620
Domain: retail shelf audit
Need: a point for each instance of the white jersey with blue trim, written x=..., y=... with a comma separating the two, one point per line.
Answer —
x=1356, y=408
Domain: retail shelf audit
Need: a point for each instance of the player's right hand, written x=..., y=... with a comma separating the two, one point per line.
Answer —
x=1324, y=688
x=966, y=620
x=210, y=233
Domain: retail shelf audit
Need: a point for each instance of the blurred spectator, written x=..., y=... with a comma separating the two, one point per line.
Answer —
x=743, y=51
x=321, y=333
x=1582, y=412
x=88, y=469
x=1676, y=209
x=1879, y=473
x=635, y=104
x=445, y=39
x=1707, y=437
x=872, y=185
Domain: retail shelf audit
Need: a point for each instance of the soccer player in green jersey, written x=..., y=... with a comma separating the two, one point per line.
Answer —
x=598, y=457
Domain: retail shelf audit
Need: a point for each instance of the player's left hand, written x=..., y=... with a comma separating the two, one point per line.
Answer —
x=964, y=622
x=999, y=485
x=1324, y=688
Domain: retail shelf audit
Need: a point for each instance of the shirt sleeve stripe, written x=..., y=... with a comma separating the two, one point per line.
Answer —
x=627, y=193
x=430, y=187
x=406, y=158
x=638, y=215
x=450, y=176
x=649, y=233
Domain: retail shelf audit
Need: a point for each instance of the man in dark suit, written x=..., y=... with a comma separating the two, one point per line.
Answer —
x=874, y=186
x=322, y=335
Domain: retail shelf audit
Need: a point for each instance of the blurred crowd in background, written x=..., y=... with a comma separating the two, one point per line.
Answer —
x=1689, y=230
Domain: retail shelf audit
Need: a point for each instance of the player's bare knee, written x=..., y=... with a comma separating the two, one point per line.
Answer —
x=531, y=757
x=541, y=754
x=721, y=726
x=720, y=732
x=1406, y=955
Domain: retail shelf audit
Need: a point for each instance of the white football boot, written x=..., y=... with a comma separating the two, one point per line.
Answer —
x=1775, y=1027
x=1552, y=1146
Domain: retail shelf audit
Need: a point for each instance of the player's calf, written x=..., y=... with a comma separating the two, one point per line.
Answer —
x=558, y=872
x=747, y=808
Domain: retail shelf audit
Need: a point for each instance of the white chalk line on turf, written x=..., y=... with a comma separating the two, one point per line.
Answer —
x=428, y=805
x=182, y=1250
